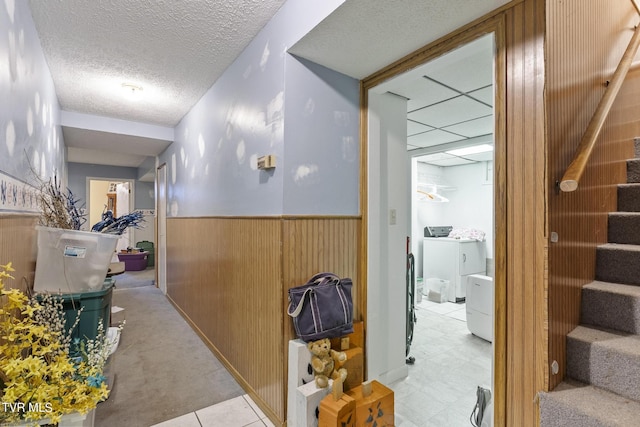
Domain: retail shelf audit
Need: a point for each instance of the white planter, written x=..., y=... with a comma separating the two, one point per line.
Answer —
x=71, y=261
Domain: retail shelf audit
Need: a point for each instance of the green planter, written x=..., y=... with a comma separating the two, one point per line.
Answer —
x=96, y=307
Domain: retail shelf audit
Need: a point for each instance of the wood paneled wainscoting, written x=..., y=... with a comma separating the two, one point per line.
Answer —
x=229, y=278
x=585, y=41
x=18, y=245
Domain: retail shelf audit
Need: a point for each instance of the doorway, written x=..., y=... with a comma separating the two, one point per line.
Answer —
x=114, y=194
x=396, y=136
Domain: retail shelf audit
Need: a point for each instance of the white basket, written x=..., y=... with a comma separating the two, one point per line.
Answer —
x=72, y=261
x=438, y=290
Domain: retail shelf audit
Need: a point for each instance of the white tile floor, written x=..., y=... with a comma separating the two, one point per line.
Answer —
x=238, y=412
x=439, y=391
x=450, y=363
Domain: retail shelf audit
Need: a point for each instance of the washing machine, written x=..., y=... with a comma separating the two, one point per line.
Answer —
x=479, y=306
x=453, y=260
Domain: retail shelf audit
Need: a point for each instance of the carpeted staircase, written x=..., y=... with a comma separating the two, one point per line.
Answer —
x=603, y=352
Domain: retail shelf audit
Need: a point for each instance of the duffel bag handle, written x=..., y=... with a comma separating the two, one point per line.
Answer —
x=321, y=277
x=298, y=309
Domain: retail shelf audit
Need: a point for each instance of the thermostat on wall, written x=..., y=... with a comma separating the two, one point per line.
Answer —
x=267, y=162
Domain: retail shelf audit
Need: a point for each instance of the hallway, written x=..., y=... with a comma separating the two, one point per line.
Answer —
x=162, y=368
x=195, y=390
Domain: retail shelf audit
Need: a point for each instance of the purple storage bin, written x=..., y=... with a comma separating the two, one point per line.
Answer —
x=134, y=261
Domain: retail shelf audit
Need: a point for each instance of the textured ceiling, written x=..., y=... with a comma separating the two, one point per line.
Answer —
x=176, y=50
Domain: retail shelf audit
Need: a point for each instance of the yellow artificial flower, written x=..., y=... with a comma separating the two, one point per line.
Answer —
x=29, y=310
x=35, y=369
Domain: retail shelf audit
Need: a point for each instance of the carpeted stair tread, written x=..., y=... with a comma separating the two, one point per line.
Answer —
x=576, y=404
x=598, y=299
x=633, y=170
x=629, y=197
x=624, y=227
x=604, y=351
x=606, y=359
x=618, y=263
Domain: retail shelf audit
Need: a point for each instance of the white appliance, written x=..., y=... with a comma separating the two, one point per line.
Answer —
x=453, y=260
x=479, y=306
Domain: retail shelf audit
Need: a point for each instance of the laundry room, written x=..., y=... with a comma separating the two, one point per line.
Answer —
x=453, y=189
x=452, y=245
x=442, y=113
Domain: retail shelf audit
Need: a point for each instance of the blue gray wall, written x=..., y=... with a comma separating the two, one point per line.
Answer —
x=30, y=134
x=321, y=164
x=78, y=173
x=268, y=102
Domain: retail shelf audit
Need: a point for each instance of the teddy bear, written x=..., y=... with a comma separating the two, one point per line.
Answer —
x=326, y=362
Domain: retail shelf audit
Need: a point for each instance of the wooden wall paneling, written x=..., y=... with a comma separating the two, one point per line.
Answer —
x=224, y=276
x=515, y=240
x=18, y=245
x=585, y=42
x=314, y=245
x=526, y=213
x=500, y=230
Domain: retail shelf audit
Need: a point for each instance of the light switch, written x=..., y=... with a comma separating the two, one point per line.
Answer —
x=392, y=217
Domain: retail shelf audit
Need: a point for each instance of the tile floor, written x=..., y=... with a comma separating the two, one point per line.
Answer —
x=439, y=391
x=238, y=412
x=450, y=363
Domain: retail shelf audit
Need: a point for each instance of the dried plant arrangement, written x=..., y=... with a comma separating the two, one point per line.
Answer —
x=112, y=225
x=59, y=208
x=52, y=316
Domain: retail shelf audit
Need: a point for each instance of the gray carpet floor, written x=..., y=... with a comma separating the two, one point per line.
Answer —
x=161, y=368
x=135, y=279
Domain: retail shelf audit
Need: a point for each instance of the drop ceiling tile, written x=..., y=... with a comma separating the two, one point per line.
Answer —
x=456, y=161
x=434, y=157
x=450, y=112
x=423, y=92
x=415, y=128
x=471, y=128
x=480, y=157
x=434, y=137
x=485, y=94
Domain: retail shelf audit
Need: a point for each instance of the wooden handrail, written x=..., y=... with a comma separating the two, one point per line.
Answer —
x=576, y=168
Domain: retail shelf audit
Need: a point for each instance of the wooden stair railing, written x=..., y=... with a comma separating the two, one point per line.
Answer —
x=576, y=168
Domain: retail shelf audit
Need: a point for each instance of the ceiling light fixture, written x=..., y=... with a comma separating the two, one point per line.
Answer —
x=483, y=148
x=133, y=91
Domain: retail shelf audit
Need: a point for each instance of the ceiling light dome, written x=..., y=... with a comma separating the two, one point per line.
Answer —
x=132, y=90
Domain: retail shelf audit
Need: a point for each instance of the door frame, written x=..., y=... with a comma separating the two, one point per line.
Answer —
x=161, y=227
x=495, y=25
